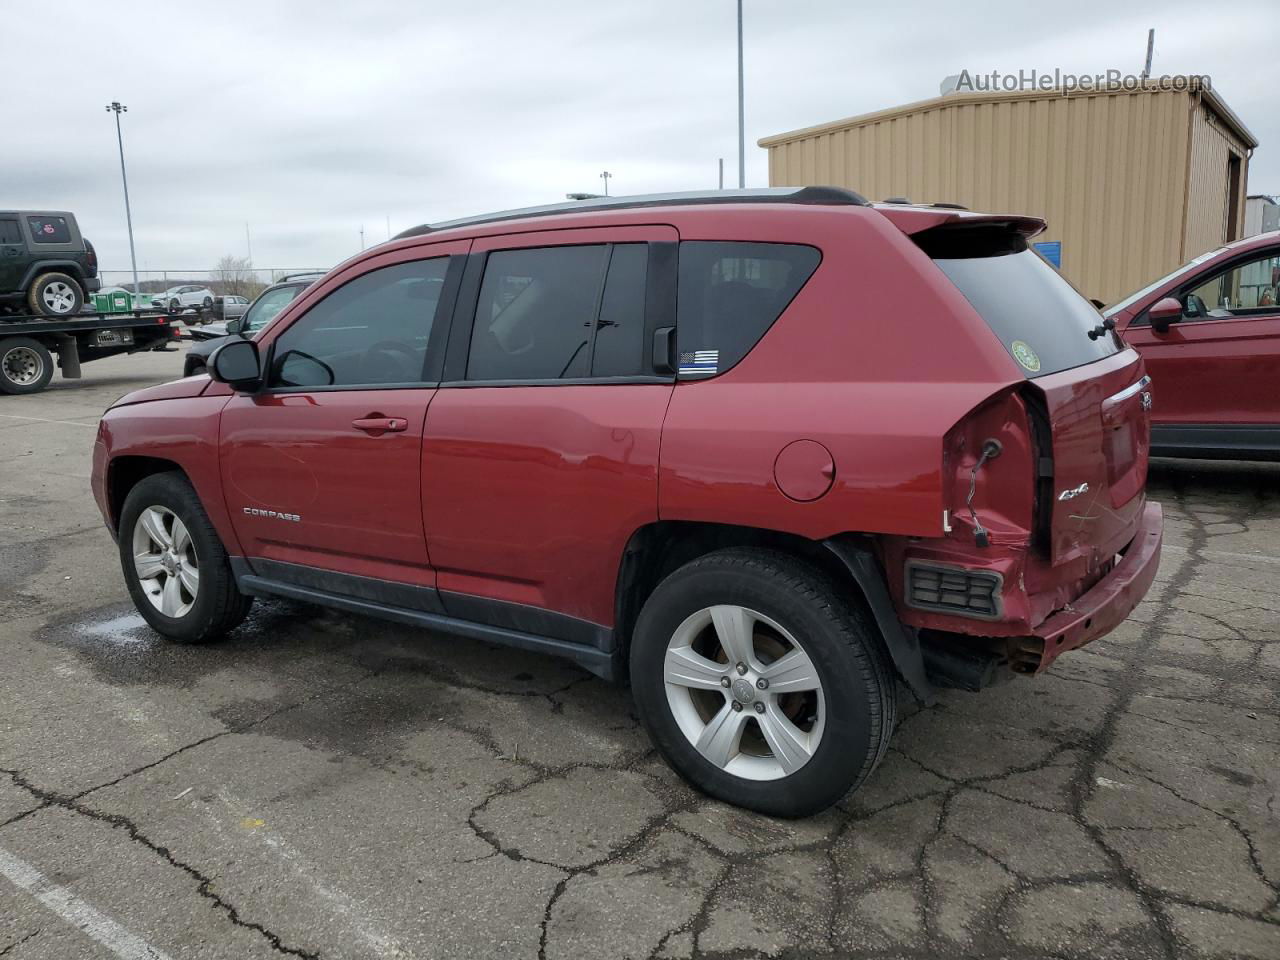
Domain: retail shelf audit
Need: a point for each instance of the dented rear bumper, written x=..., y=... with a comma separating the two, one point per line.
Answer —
x=1105, y=606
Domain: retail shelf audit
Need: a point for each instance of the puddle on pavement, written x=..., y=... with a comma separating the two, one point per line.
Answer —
x=128, y=628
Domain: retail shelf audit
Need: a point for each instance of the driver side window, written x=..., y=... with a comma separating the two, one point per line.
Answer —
x=372, y=331
x=1244, y=290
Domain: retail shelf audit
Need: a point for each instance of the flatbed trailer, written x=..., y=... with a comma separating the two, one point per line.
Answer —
x=28, y=344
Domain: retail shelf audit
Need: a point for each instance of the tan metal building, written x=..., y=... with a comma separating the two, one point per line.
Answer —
x=1132, y=184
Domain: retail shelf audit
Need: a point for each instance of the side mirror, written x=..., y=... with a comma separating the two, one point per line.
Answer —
x=1163, y=313
x=237, y=365
x=233, y=326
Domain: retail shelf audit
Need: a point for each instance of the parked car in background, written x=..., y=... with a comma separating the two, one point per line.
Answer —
x=187, y=296
x=229, y=307
x=46, y=267
x=262, y=311
x=460, y=429
x=1210, y=335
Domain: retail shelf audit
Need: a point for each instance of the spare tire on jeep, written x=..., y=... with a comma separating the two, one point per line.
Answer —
x=55, y=295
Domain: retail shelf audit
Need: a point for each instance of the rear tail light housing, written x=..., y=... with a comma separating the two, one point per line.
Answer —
x=91, y=259
x=958, y=591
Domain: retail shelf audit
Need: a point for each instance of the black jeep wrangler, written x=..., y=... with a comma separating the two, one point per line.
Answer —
x=46, y=266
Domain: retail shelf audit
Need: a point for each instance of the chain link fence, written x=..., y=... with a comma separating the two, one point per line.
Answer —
x=242, y=281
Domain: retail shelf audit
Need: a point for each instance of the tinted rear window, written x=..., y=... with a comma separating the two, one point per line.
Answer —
x=1041, y=320
x=49, y=229
x=9, y=232
x=730, y=294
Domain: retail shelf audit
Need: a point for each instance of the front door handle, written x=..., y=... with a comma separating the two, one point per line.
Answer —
x=376, y=425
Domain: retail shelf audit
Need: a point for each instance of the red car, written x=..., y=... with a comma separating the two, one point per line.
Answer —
x=1210, y=335
x=762, y=453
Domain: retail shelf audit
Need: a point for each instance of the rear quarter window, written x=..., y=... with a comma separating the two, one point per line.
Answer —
x=49, y=229
x=9, y=232
x=728, y=296
x=1041, y=320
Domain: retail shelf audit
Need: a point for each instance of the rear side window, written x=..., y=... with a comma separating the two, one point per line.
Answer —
x=9, y=232
x=536, y=312
x=619, y=344
x=729, y=294
x=1041, y=320
x=49, y=229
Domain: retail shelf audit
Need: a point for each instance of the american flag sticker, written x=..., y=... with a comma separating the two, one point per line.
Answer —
x=705, y=362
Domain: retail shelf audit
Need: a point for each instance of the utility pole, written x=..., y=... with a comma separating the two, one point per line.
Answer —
x=1151, y=44
x=605, y=177
x=388, y=226
x=742, y=137
x=362, y=236
x=722, y=173
x=119, y=108
x=248, y=242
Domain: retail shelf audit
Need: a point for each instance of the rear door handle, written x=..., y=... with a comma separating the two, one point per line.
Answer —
x=378, y=425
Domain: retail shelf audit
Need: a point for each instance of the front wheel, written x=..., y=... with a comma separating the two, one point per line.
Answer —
x=174, y=564
x=760, y=683
x=26, y=366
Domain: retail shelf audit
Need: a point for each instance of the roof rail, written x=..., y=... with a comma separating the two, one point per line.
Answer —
x=835, y=196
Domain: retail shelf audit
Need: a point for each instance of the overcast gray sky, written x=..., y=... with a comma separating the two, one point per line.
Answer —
x=307, y=120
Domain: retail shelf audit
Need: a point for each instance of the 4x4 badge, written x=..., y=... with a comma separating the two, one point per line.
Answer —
x=1074, y=492
x=1025, y=355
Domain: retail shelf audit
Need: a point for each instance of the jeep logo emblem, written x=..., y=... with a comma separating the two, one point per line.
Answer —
x=1074, y=492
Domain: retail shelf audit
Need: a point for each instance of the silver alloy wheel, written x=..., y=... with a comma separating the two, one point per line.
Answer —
x=164, y=558
x=744, y=692
x=59, y=297
x=23, y=366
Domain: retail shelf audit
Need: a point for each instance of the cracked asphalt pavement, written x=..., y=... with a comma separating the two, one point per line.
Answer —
x=322, y=785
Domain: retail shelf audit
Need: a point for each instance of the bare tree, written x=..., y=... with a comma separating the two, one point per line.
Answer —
x=235, y=275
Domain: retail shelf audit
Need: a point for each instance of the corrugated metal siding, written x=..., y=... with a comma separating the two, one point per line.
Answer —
x=1107, y=171
x=1211, y=148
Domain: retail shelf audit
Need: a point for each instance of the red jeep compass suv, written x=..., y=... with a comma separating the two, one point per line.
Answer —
x=764, y=453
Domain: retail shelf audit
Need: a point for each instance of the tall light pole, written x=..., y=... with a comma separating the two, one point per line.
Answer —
x=742, y=137
x=605, y=177
x=117, y=109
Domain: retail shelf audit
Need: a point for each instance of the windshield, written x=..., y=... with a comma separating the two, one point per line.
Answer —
x=1185, y=268
x=268, y=306
x=1041, y=319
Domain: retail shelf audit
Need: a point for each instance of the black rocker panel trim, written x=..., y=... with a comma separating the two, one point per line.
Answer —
x=1216, y=441
x=590, y=645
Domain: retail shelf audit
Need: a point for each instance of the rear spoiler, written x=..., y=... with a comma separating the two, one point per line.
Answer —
x=913, y=220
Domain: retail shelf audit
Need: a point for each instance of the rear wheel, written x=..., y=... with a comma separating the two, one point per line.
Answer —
x=55, y=295
x=26, y=366
x=174, y=564
x=760, y=683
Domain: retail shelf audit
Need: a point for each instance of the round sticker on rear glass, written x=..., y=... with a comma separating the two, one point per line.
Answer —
x=1025, y=356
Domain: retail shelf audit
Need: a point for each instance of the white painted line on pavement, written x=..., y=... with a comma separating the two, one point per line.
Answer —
x=76, y=912
x=70, y=423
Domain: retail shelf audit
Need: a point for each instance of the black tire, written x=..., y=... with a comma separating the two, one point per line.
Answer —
x=208, y=303
x=839, y=637
x=193, y=365
x=218, y=606
x=36, y=296
x=175, y=307
x=26, y=366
